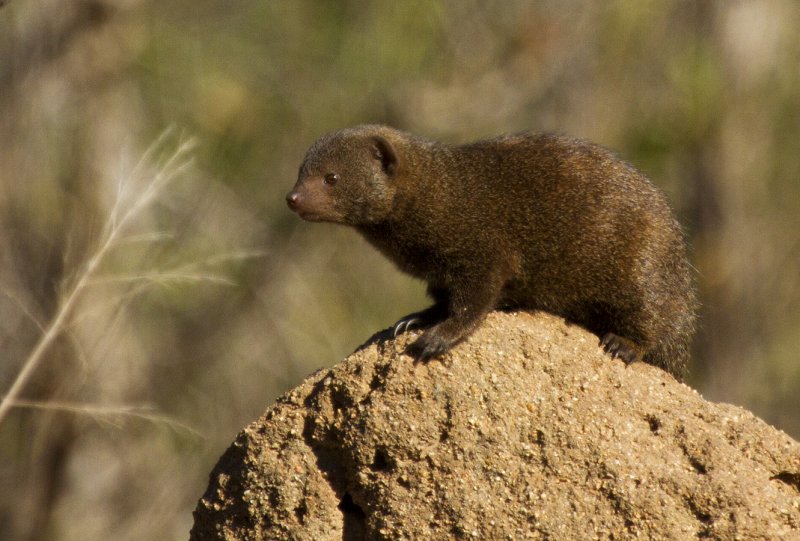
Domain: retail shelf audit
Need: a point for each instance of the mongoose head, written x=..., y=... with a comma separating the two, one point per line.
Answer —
x=347, y=177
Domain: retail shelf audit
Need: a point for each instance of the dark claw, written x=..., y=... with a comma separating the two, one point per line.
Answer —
x=620, y=348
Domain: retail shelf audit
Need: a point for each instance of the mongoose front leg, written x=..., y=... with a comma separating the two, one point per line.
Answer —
x=469, y=302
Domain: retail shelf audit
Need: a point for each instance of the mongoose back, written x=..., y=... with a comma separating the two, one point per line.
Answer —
x=527, y=221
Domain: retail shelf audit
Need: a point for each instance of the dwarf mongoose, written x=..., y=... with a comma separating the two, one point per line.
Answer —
x=527, y=221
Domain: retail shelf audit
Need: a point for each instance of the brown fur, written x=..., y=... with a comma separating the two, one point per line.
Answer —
x=526, y=221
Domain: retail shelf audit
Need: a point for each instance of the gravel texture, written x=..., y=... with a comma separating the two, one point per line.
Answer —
x=525, y=431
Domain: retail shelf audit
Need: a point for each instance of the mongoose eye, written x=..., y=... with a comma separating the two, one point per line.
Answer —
x=331, y=179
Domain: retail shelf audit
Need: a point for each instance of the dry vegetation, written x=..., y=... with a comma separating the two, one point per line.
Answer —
x=134, y=349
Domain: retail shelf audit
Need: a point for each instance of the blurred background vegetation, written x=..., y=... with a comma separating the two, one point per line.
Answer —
x=184, y=333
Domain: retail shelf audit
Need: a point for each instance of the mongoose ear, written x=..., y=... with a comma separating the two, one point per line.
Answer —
x=383, y=151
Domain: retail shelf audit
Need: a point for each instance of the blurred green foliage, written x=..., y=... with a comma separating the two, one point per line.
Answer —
x=700, y=95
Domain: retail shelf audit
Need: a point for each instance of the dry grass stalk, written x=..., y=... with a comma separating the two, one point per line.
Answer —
x=119, y=218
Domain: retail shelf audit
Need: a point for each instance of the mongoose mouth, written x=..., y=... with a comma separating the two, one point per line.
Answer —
x=310, y=216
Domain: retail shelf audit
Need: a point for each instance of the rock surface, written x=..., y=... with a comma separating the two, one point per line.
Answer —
x=525, y=431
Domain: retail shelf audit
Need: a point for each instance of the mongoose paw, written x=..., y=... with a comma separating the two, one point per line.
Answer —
x=423, y=318
x=428, y=346
x=621, y=348
x=408, y=322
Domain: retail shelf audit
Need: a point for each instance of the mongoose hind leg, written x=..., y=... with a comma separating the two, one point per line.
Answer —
x=621, y=348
